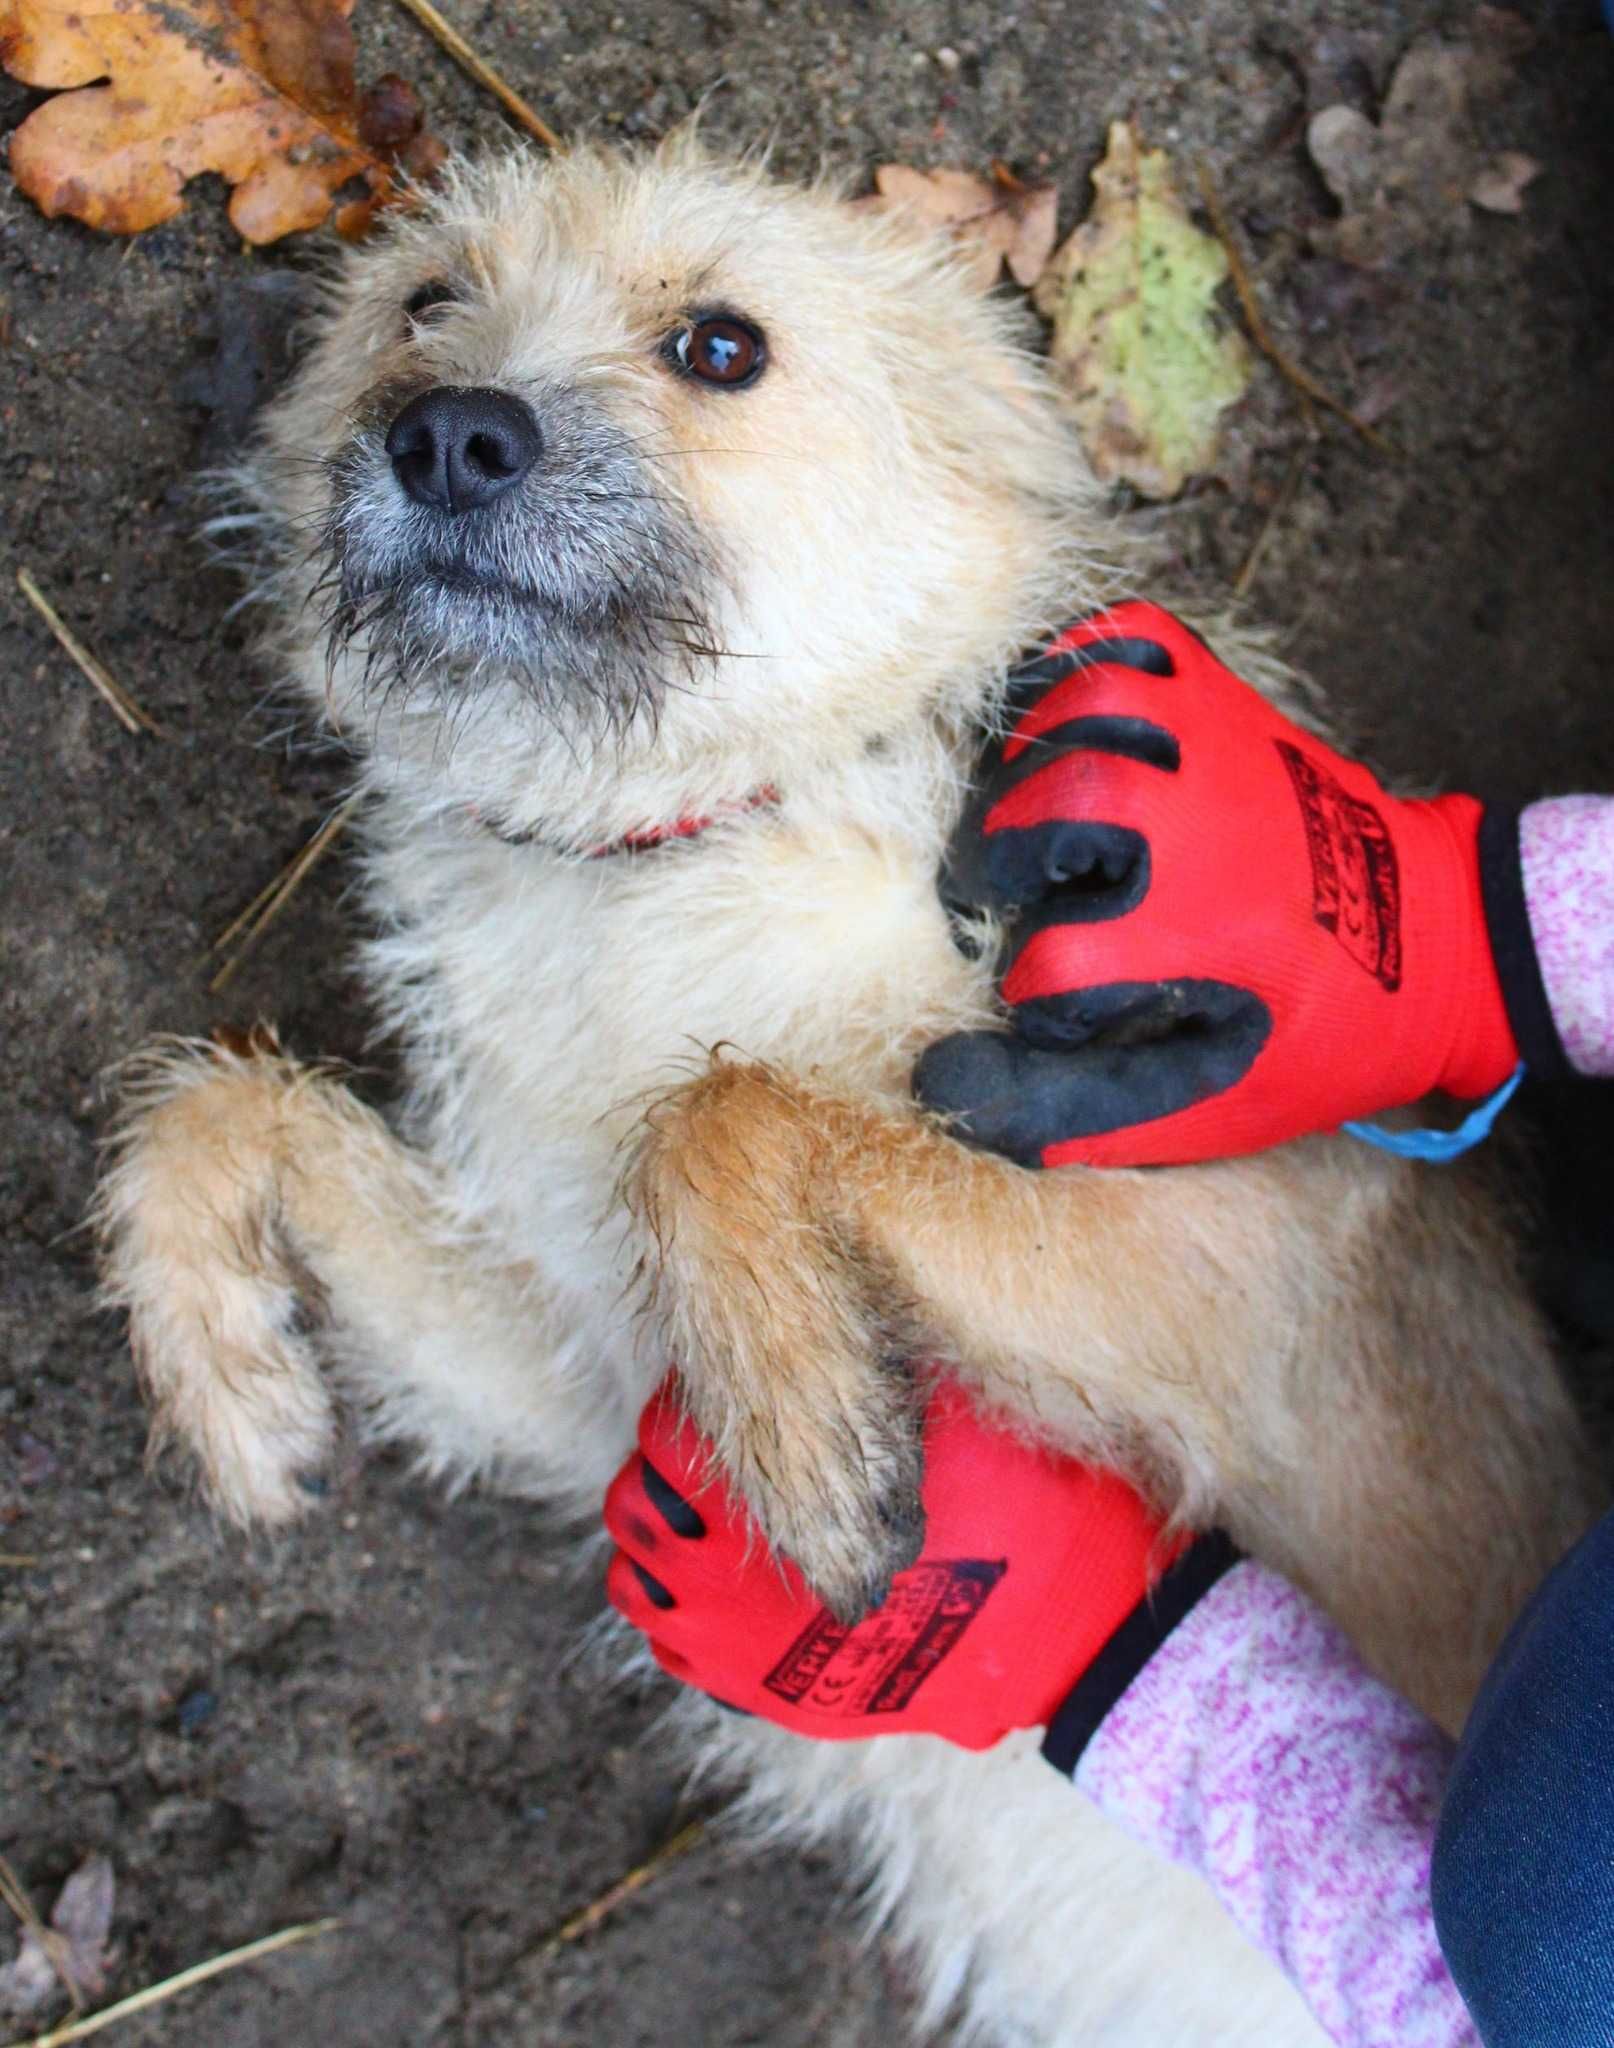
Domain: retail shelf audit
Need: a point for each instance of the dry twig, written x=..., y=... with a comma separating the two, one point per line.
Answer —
x=127, y=712
x=18, y=1563
x=1255, y=320
x=484, y=74
x=1280, y=505
x=157, y=1994
x=269, y=902
x=635, y=1880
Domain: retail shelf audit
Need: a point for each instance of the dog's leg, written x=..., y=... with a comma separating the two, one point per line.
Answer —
x=805, y=1248
x=259, y=1221
x=1322, y=1350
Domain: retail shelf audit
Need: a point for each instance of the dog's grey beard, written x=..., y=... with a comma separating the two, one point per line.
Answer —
x=579, y=588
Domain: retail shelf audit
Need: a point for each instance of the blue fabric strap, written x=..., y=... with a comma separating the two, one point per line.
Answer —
x=1439, y=1147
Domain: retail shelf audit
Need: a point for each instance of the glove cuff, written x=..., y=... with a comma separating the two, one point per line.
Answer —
x=1179, y=1590
x=1513, y=946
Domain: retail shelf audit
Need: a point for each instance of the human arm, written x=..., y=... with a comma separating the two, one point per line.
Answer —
x=1204, y=1704
x=1566, y=863
x=1255, y=1748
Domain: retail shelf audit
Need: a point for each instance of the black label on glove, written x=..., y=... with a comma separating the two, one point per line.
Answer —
x=1356, y=885
x=878, y=1665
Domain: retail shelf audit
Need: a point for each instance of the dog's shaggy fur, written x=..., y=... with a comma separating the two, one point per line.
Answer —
x=685, y=1070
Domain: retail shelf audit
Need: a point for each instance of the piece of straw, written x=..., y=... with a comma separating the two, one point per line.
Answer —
x=1280, y=505
x=590, y=1916
x=269, y=902
x=170, y=1987
x=484, y=74
x=1255, y=320
x=124, y=708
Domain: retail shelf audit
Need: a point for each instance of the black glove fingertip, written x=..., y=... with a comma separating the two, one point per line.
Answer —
x=674, y=1510
x=1030, y=680
x=974, y=1079
x=1074, y=870
x=654, y=1591
x=1071, y=1070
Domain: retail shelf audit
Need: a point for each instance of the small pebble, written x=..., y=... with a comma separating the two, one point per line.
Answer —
x=196, y=1709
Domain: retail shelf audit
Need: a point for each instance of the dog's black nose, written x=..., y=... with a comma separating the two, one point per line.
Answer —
x=455, y=449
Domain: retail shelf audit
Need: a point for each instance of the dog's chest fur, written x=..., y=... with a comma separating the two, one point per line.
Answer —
x=543, y=1001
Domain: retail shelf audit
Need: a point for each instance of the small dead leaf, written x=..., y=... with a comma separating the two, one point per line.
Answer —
x=1147, y=359
x=83, y=1918
x=1345, y=147
x=261, y=91
x=998, y=219
x=74, y=1948
x=1500, y=186
x=392, y=122
x=1412, y=177
x=29, y=1981
x=390, y=114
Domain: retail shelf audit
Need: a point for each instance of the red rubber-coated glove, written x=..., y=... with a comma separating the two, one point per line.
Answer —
x=1029, y=1606
x=1222, y=934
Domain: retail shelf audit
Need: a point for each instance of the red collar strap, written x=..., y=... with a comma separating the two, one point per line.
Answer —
x=651, y=836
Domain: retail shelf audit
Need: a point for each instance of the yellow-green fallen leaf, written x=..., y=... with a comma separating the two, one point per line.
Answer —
x=1148, y=360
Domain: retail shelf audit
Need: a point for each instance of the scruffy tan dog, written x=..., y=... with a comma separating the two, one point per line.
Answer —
x=658, y=536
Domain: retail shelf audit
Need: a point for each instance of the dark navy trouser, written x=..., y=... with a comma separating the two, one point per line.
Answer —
x=1524, y=1860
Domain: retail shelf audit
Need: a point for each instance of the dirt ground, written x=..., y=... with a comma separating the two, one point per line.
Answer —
x=383, y=1716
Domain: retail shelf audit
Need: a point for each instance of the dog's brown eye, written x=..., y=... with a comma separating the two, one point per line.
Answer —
x=719, y=351
x=430, y=296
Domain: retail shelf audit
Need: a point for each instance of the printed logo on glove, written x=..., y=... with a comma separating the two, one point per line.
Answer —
x=1037, y=1597
x=1220, y=933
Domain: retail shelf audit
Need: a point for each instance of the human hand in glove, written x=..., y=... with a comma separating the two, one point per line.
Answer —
x=1042, y=1589
x=1220, y=933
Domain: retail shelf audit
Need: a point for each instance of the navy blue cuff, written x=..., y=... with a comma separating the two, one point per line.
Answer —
x=1513, y=947
x=1179, y=1591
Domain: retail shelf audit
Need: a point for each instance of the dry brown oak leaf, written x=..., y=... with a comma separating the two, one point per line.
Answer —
x=261, y=91
x=995, y=220
x=1413, y=176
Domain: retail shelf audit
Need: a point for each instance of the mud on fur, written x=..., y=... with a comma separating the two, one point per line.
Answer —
x=649, y=596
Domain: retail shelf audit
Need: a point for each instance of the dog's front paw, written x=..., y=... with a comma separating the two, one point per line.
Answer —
x=221, y=1316
x=791, y=1344
x=831, y=1468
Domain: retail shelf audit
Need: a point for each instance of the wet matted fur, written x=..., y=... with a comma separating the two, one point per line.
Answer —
x=658, y=1101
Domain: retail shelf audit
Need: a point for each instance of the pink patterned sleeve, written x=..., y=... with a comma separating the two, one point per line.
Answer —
x=1566, y=851
x=1257, y=1749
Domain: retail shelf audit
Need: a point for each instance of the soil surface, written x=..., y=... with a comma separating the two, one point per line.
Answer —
x=383, y=1716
